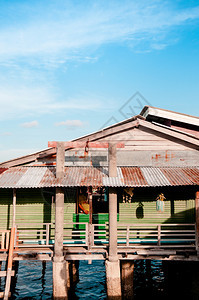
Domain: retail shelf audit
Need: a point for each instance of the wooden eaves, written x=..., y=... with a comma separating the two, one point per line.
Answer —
x=151, y=111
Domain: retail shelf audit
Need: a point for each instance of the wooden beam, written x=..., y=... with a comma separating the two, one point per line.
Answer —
x=112, y=205
x=84, y=144
x=90, y=227
x=178, y=137
x=4, y=273
x=27, y=159
x=60, y=160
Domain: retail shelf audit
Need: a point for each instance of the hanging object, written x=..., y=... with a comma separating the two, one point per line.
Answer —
x=128, y=194
x=86, y=150
x=160, y=202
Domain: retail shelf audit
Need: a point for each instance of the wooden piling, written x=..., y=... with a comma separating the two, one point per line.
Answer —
x=112, y=204
x=59, y=264
x=113, y=280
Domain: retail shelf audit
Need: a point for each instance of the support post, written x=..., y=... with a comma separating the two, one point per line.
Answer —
x=112, y=264
x=90, y=227
x=112, y=204
x=197, y=221
x=127, y=279
x=59, y=264
x=14, y=208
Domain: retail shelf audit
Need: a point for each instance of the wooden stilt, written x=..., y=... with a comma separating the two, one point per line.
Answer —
x=59, y=264
x=112, y=205
x=113, y=280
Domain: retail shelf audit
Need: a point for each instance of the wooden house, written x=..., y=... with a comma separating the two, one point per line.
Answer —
x=156, y=183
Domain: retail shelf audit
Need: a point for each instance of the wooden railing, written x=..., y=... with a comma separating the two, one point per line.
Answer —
x=4, y=239
x=97, y=235
x=75, y=234
x=166, y=235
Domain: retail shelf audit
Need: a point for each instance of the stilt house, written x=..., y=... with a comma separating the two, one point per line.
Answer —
x=156, y=183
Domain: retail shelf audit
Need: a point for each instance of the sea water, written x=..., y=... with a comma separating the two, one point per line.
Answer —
x=152, y=280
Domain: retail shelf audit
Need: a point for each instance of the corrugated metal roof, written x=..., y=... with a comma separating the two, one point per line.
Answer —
x=155, y=177
x=24, y=177
x=38, y=177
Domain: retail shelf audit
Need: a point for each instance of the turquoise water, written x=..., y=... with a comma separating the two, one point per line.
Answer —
x=34, y=281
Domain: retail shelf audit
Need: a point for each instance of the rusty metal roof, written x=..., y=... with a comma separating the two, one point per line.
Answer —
x=39, y=177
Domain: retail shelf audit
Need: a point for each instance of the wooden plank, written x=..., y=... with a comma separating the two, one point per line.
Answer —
x=171, y=134
x=84, y=257
x=156, y=252
x=7, y=239
x=101, y=134
x=3, y=257
x=9, y=265
x=2, y=294
x=3, y=240
x=4, y=273
x=84, y=144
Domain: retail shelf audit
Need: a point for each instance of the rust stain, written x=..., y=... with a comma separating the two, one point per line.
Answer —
x=168, y=156
x=133, y=176
x=156, y=157
x=3, y=170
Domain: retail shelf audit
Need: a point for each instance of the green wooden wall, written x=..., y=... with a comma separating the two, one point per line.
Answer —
x=179, y=206
x=34, y=206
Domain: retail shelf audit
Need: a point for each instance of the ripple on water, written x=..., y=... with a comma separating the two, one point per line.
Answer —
x=34, y=281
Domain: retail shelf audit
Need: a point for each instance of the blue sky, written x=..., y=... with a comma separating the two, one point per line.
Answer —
x=67, y=67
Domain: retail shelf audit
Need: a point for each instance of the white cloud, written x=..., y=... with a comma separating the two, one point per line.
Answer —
x=17, y=101
x=66, y=31
x=71, y=124
x=7, y=133
x=30, y=124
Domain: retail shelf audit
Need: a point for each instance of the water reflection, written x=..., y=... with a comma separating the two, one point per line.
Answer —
x=157, y=279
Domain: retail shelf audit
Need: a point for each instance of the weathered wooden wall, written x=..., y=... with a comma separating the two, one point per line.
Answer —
x=141, y=149
x=34, y=206
x=179, y=206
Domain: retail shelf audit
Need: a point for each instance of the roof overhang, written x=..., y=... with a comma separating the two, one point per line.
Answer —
x=44, y=177
x=150, y=111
